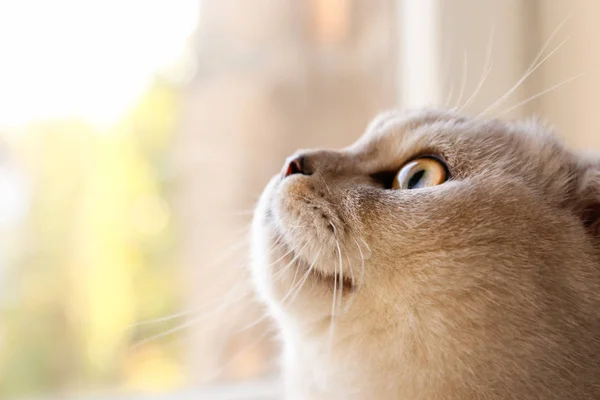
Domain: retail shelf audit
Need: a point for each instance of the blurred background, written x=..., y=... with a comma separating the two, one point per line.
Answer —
x=136, y=136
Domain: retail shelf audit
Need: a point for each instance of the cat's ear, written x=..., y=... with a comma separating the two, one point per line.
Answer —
x=589, y=196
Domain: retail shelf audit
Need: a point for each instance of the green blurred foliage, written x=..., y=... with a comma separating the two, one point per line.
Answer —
x=94, y=255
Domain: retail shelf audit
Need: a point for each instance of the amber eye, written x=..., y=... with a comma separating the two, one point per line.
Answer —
x=420, y=173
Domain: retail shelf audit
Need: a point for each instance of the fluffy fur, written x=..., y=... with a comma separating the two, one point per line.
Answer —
x=484, y=287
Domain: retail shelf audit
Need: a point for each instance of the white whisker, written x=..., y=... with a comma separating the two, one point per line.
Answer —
x=358, y=282
x=350, y=267
x=235, y=357
x=233, y=250
x=487, y=68
x=281, y=258
x=333, y=301
x=362, y=259
x=302, y=197
x=543, y=92
x=449, y=96
x=296, y=289
x=279, y=273
x=295, y=276
x=341, y=274
x=464, y=80
x=224, y=304
x=264, y=317
x=325, y=182
x=534, y=65
x=168, y=332
x=180, y=314
x=341, y=282
x=169, y=317
x=447, y=63
x=365, y=243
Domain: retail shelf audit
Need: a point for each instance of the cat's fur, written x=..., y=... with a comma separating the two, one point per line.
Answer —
x=484, y=287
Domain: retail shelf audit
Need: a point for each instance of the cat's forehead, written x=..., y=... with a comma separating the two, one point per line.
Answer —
x=429, y=130
x=468, y=144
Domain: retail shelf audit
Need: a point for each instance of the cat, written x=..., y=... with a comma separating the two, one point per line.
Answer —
x=438, y=257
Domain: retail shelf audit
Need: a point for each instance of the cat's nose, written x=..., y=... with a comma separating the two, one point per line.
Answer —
x=295, y=165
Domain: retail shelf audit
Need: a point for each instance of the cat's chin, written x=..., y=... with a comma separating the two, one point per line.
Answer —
x=300, y=271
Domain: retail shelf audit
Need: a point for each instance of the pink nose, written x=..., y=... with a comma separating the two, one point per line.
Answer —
x=295, y=166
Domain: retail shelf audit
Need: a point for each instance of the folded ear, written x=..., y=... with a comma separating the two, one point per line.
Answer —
x=589, y=196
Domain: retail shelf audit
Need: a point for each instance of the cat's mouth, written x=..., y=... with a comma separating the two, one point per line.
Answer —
x=334, y=281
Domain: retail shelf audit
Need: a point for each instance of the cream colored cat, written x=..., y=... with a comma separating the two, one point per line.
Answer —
x=439, y=257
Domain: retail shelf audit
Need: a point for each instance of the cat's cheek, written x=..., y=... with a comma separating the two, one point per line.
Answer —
x=263, y=240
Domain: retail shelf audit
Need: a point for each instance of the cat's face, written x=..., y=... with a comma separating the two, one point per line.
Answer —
x=488, y=248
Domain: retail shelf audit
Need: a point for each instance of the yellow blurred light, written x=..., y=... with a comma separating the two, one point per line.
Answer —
x=151, y=370
x=87, y=59
x=150, y=215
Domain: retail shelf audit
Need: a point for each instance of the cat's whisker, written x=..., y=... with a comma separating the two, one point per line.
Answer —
x=225, y=302
x=449, y=96
x=169, y=317
x=333, y=301
x=224, y=366
x=295, y=289
x=278, y=244
x=543, y=92
x=354, y=281
x=447, y=63
x=365, y=243
x=232, y=251
x=341, y=282
x=487, y=68
x=477, y=90
x=257, y=321
x=288, y=252
x=295, y=276
x=310, y=268
x=463, y=83
x=301, y=197
x=534, y=65
x=324, y=182
x=362, y=259
x=168, y=332
x=351, y=270
x=280, y=258
x=279, y=273
x=350, y=263
x=518, y=84
x=294, y=227
x=341, y=273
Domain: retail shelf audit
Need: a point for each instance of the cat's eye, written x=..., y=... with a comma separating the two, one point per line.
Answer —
x=420, y=173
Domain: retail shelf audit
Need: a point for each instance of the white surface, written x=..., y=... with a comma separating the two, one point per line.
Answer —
x=255, y=390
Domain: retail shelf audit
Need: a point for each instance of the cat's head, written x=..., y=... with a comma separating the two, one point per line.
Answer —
x=448, y=223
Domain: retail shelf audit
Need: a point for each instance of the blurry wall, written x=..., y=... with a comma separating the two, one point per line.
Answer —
x=273, y=76
x=574, y=107
x=485, y=47
x=512, y=36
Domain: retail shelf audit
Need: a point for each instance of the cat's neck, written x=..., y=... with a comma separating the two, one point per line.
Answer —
x=320, y=363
